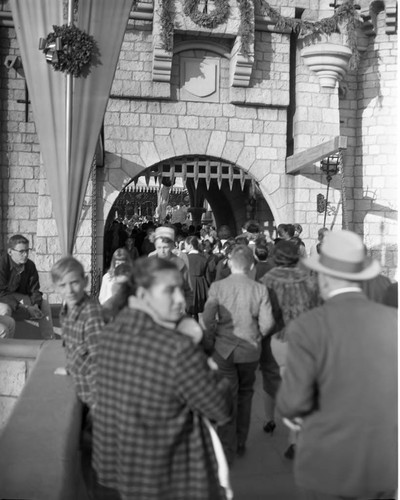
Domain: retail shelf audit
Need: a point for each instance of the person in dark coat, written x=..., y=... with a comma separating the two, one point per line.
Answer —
x=222, y=269
x=157, y=395
x=292, y=290
x=197, y=275
x=264, y=261
x=211, y=251
x=339, y=388
x=19, y=280
x=20, y=295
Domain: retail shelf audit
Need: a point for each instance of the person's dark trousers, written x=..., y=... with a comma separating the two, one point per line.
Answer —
x=242, y=377
x=269, y=368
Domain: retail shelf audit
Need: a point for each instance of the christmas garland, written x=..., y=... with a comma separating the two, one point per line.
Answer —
x=345, y=13
x=167, y=24
x=246, y=27
x=218, y=16
x=69, y=50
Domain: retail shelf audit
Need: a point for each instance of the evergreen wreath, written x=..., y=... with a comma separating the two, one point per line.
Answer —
x=218, y=16
x=76, y=50
x=345, y=13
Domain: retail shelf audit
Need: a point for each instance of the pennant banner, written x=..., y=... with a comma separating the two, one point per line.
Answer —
x=67, y=173
x=33, y=20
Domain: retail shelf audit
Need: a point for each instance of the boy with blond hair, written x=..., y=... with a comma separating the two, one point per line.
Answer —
x=81, y=323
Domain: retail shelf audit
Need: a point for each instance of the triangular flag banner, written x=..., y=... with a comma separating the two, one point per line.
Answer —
x=68, y=173
x=33, y=20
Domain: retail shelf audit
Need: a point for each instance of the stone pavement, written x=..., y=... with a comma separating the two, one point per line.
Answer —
x=263, y=473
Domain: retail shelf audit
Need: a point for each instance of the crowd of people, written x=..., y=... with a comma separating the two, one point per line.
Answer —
x=164, y=360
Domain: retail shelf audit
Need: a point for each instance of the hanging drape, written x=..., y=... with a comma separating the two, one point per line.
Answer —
x=67, y=174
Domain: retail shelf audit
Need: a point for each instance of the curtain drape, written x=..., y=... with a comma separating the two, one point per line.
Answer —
x=106, y=21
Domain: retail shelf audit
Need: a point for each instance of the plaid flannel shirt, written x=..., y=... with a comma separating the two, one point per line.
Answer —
x=153, y=386
x=81, y=326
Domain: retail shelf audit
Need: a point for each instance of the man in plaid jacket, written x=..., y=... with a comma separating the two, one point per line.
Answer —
x=154, y=388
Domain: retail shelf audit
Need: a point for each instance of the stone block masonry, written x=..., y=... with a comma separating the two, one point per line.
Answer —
x=148, y=121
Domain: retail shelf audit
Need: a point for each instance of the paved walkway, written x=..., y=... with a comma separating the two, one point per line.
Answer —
x=263, y=473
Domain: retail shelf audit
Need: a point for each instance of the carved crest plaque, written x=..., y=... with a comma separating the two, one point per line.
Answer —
x=199, y=79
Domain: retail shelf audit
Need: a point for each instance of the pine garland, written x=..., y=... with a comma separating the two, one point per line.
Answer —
x=346, y=14
x=215, y=18
x=167, y=15
x=246, y=27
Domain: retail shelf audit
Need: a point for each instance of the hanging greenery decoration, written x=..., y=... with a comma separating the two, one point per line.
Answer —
x=218, y=16
x=246, y=27
x=167, y=15
x=69, y=50
x=346, y=14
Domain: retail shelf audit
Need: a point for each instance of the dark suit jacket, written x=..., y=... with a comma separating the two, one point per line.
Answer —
x=341, y=377
x=26, y=283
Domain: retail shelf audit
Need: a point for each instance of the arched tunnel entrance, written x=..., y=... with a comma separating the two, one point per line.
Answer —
x=212, y=191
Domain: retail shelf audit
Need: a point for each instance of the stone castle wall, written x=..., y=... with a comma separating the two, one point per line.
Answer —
x=376, y=162
x=150, y=121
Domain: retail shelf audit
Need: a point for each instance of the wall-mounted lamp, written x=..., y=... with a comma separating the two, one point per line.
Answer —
x=330, y=167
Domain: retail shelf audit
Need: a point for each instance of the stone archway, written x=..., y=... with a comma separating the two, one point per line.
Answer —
x=232, y=193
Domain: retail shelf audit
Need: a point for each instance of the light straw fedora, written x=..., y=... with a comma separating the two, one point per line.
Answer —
x=343, y=255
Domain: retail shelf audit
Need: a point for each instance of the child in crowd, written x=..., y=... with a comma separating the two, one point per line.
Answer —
x=120, y=256
x=120, y=291
x=130, y=245
x=81, y=323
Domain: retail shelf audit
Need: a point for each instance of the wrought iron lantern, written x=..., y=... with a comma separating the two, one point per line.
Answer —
x=330, y=167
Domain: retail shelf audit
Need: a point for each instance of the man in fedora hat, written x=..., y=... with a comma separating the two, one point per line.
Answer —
x=340, y=383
